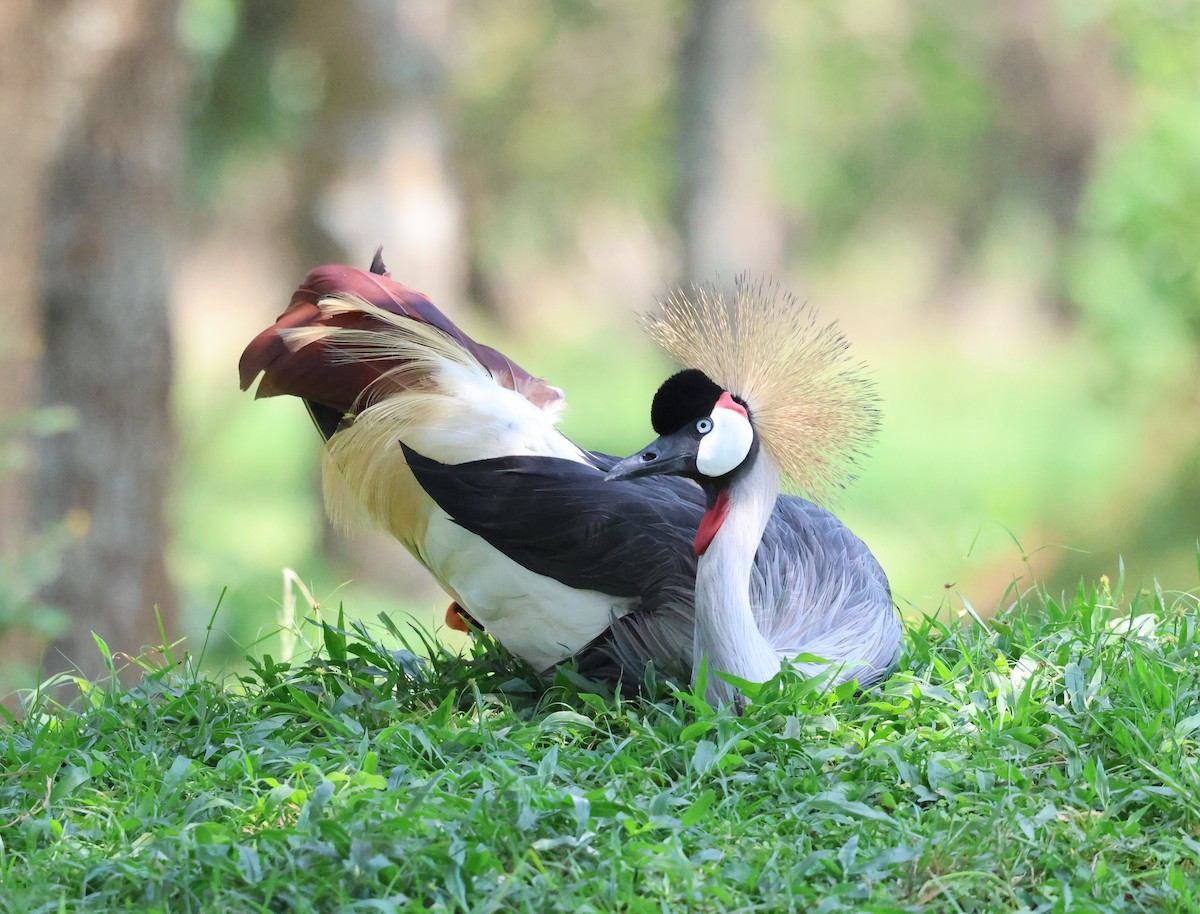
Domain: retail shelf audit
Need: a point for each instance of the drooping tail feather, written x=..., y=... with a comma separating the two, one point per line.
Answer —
x=375, y=362
x=304, y=352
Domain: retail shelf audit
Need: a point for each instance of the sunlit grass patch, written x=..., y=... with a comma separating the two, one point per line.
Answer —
x=1046, y=761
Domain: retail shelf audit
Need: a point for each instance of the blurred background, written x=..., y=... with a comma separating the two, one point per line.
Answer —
x=999, y=202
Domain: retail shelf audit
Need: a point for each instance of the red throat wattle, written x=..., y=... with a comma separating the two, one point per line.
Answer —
x=710, y=523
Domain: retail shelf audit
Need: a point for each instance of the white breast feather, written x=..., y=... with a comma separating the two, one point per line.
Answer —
x=536, y=617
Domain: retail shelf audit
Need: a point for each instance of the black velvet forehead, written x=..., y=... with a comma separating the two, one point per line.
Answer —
x=683, y=397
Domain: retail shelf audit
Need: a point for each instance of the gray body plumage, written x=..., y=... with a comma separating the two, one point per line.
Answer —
x=815, y=588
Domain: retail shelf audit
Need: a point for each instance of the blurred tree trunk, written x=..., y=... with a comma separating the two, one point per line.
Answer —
x=1056, y=94
x=109, y=209
x=727, y=219
x=1058, y=91
x=45, y=78
x=51, y=52
x=21, y=139
x=393, y=180
x=377, y=168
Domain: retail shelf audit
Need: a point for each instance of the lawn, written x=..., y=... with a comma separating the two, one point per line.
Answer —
x=1046, y=760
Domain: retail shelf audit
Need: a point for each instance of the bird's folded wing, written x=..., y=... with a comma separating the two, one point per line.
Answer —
x=560, y=519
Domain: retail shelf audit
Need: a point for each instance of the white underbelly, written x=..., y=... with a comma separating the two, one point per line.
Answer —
x=539, y=619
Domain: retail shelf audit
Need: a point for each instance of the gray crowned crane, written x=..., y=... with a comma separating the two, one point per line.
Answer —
x=684, y=550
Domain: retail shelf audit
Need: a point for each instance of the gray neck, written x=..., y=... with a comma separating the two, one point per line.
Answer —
x=725, y=628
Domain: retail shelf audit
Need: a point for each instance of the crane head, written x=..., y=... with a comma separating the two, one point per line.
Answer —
x=813, y=408
x=705, y=433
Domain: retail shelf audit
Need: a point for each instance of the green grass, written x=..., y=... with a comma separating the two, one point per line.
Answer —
x=1046, y=761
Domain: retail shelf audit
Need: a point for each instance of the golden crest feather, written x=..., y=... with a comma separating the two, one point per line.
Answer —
x=813, y=408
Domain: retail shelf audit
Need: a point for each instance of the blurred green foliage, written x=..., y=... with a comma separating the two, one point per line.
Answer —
x=561, y=106
x=243, y=100
x=1048, y=151
x=1138, y=256
x=25, y=572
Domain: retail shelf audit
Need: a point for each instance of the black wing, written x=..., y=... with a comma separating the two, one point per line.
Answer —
x=559, y=518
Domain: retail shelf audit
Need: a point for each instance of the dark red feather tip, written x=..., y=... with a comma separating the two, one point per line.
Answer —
x=310, y=373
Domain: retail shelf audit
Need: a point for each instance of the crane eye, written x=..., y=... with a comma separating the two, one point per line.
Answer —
x=704, y=426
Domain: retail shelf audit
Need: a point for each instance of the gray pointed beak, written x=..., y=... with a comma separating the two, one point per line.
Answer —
x=673, y=454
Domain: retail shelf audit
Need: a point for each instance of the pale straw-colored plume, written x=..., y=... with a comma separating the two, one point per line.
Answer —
x=363, y=470
x=418, y=349
x=812, y=406
x=435, y=395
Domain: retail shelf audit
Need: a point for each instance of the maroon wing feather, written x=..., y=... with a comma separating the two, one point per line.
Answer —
x=310, y=373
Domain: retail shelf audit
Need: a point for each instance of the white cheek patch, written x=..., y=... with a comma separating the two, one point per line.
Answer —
x=726, y=446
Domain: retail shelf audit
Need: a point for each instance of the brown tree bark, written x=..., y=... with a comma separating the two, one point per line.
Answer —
x=46, y=78
x=109, y=214
x=19, y=183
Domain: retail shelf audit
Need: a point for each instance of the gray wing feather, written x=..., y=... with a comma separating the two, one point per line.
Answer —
x=817, y=589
